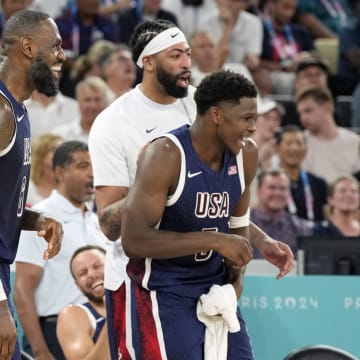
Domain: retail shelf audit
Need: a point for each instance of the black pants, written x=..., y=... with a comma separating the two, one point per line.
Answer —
x=48, y=327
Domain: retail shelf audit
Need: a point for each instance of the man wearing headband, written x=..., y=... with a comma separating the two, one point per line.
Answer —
x=162, y=102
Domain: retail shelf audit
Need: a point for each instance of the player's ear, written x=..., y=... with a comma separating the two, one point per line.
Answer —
x=216, y=114
x=148, y=63
x=27, y=46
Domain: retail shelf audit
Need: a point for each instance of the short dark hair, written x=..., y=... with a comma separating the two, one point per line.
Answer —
x=144, y=33
x=222, y=86
x=279, y=132
x=82, y=249
x=63, y=153
x=21, y=23
x=319, y=94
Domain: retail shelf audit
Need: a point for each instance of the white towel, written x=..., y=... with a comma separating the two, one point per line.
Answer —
x=217, y=310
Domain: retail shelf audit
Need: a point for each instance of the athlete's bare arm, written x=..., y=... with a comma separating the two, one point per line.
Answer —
x=157, y=176
x=74, y=333
x=110, y=202
x=7, y=124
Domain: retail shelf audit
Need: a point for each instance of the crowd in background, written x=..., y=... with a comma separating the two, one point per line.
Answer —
x=303, y=56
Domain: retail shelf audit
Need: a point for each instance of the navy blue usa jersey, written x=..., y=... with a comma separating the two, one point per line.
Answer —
x=14, y=178
x=203, y=201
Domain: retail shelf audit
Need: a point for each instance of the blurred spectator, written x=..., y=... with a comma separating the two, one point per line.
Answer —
x=237, y=29
x=79, y=31
x=188, y=13
x=349, y=52
x=343, y=206
x=270, y=212
x=130, y=17
x=118, y=69
x=86, y=65
x=43, y=288
x=323, y=18
x=315, y=106
x=206, y=58
x=267, y=122
x=46, y=112
x=42, y=179
x=311, y=72
x=284, y=45
x=8, y=7
x=307, y=191
x=93, y=96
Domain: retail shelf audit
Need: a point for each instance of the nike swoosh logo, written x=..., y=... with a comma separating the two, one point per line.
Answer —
x=174, y=35
x=191, y=175
x=19, y=118
x=148, y=131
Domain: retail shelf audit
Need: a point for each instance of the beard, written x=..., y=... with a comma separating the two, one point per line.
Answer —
x=168, y=81
x=43, y=78
x=93, y=298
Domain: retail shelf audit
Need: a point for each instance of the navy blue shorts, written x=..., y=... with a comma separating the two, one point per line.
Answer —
x=158, y=326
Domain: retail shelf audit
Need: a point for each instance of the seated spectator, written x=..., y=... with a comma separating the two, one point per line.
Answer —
x=188, y=13
x=118, y=69
x=47, y=112
x=93, y=96
x=80, y=327
x=332, y=150
x=206, y=58
x=270, y=212
x=85, y=65
x=267, y=122
x=310, y=72
x=129, y=18
x=323, y=18
x=307, y=191
x=284, y=45
x=343, y=206
x=42, y=179
x=239, y=30
x=79, y=31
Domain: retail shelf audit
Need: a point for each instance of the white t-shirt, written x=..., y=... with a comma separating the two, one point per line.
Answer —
x=63, y=110
x=246, y=37
x=117, y=136
x=335, y=157
x=57, y=288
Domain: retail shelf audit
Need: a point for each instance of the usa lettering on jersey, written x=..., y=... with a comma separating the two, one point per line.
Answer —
x=214, y=205
x=27, y=151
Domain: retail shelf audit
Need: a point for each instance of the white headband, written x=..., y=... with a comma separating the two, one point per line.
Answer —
x=161, y=42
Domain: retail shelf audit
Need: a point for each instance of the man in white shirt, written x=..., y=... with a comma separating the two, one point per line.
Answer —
x=44, y=288
x=332, y=150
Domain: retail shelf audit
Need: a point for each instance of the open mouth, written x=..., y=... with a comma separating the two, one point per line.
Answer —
x=56, y=70
x=97, y=285
x=184, y=80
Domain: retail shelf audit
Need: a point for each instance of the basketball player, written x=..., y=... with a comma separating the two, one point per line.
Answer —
x=80, y=328
x=31, y=59
x=162, y=102
x=190, y=185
